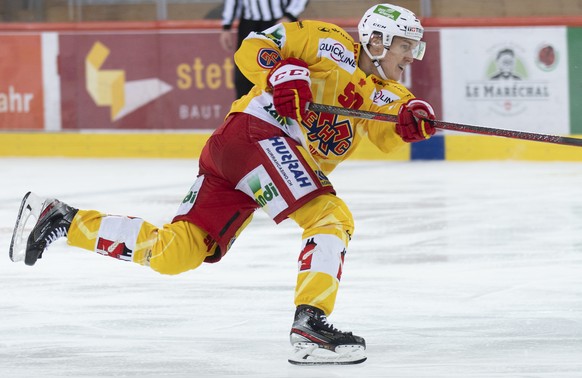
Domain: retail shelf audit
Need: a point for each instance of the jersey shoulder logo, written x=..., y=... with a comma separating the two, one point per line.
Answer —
x=267, y=57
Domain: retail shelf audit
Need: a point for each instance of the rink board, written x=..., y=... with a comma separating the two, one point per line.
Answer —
x=189, y=145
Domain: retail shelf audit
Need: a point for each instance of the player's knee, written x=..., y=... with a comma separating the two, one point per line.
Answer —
x=326, y=214
x=340, y=215
x=177, y=248
x=333, y=213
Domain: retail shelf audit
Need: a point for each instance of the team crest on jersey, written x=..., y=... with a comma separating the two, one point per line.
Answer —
x=267, y=57
x=384, y=97
x=329, y=133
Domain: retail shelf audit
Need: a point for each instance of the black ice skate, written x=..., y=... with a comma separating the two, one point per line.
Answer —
x=316, y=342
x=53, y=219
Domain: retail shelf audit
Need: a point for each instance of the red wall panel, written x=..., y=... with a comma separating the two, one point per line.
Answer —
x=21, y=88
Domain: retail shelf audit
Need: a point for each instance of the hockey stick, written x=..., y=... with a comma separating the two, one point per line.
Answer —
x=450, y=126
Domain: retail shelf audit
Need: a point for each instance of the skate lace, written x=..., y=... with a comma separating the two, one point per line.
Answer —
x=57, y=233
x=328, y=325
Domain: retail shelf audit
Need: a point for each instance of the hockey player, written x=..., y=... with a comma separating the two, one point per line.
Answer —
x=271, y=152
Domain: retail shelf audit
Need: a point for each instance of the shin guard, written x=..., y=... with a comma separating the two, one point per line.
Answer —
x=328, y=226
x=172, y=249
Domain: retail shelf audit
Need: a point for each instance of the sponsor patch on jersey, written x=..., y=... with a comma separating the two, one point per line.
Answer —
x=267, y=57
x=290, y=168
x=276, y=34
x=322, y=178
x=190, y=198
x=383, y=97
x=258, y=185
x=334, y=50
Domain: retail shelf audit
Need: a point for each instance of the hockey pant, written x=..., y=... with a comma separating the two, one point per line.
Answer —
x=182, y=246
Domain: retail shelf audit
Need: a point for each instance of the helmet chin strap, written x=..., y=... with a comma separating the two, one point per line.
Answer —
x=376, y=61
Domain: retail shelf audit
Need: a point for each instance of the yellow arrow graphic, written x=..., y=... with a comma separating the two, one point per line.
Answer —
x=106, y=87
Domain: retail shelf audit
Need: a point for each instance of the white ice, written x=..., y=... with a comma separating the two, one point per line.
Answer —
x=456, y=269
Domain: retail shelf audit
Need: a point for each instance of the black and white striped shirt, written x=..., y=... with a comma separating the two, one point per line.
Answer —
x=260, y=10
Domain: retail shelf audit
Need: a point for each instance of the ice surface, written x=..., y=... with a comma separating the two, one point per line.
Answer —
x=456, y=270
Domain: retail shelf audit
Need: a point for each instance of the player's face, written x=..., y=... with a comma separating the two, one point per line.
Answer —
x=398, y=57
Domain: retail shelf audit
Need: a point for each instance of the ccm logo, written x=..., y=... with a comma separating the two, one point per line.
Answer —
x=292, y=73
x=288, y=74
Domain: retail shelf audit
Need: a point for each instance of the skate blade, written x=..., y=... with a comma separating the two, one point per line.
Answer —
x=25, y=221
x=312, y=354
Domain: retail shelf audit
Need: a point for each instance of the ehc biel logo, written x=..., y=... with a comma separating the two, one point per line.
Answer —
x=330, y=134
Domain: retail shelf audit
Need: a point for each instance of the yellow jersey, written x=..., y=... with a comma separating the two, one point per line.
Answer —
x=332, y=57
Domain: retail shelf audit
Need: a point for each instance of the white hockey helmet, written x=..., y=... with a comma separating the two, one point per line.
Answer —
x=391, y=20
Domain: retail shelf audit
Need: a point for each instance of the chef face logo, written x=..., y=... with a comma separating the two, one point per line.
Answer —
x=508, y=88
x=507, y=66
